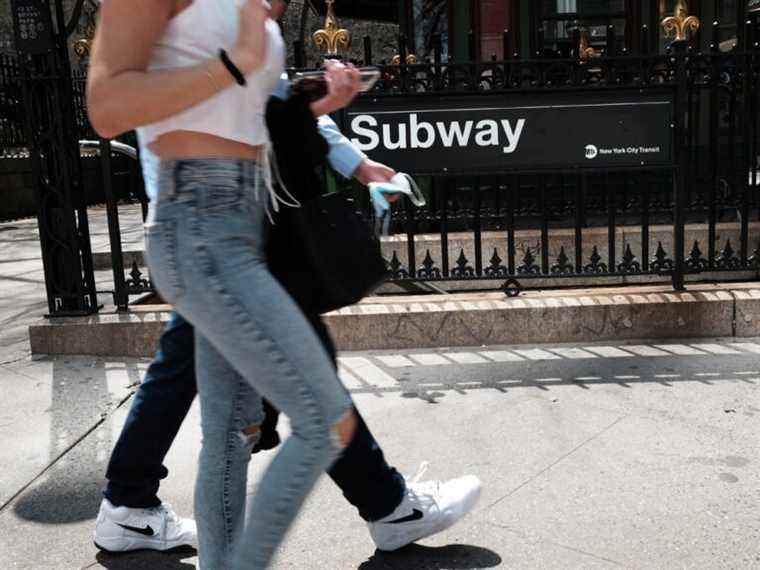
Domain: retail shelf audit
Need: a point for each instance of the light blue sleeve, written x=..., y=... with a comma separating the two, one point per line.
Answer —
x=343, y=156
x=282, y=90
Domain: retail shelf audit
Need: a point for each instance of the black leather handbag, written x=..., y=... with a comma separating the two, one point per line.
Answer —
x=323, y=252
x=334, y=259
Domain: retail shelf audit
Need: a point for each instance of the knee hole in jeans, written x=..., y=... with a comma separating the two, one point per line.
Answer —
x=344, y=429
x=250, y=436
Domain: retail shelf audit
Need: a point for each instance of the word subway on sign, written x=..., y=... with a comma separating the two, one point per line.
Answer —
x=484, y=133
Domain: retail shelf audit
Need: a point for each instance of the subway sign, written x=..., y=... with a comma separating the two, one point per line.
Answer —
x=496, y=133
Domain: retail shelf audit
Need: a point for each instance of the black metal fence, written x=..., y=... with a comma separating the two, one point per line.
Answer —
x=11, y=107
x=697, y=218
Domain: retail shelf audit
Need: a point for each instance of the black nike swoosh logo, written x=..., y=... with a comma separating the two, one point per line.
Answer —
x=415, y=516
x=147, y=531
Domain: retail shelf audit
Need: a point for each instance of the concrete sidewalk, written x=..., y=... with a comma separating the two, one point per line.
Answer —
x=655, y=473
x=612, y=473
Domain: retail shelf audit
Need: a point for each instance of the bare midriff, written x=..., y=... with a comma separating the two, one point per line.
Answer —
x=179, y=145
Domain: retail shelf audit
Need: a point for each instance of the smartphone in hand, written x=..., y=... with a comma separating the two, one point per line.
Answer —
x=368, y=75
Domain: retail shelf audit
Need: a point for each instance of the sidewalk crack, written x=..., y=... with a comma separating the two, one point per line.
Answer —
x=555, y=462
x=103, y=417
x=525, y=536
x=15, y=360
x=22, y=373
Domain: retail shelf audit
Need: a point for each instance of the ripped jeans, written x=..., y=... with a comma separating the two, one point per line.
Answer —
x=205, y=244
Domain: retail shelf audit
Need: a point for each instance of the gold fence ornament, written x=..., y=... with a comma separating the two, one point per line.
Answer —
x=585, y=50
x=331, y=37
x=680, y=23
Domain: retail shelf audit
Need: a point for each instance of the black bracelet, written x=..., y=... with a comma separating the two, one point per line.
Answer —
x=232, y=68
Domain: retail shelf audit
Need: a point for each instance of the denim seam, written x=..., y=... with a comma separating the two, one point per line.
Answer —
x=207, y=266
x=315, y=422
x=229, y=531
x=171, y=253
x=165, y=233
x=248, y=322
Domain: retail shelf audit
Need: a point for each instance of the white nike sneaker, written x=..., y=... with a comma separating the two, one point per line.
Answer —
x=120, y=529
x=428, y=508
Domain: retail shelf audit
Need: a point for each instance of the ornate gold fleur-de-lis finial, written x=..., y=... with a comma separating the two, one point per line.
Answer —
x=410, y=59
x=331, y=38
x=680, y=23
x=585, y=50
x=86, y=29
x=82, y=45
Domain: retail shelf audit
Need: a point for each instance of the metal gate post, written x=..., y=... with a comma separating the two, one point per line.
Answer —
x=54, y=151
x=682, y=155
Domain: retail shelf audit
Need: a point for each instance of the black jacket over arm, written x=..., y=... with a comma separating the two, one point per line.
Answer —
x=300, y=149
x=301, y=153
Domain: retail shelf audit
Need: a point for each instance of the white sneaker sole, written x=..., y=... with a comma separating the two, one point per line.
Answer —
x=119, y=545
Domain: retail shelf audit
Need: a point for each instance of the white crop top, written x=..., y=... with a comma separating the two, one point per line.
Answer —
x=237, y=113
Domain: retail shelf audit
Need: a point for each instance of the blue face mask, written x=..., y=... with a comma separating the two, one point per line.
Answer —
x=400, y=184
x=377, y=193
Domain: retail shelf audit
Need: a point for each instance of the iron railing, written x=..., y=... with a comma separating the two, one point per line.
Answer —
x=706, y=200
x=697, y=218
x=12, y=133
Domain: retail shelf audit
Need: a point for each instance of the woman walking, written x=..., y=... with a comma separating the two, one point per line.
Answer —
x=194, y=77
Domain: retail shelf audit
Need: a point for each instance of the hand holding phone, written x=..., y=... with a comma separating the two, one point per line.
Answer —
x=314, y=81
x=369, y=76
x=343, y=83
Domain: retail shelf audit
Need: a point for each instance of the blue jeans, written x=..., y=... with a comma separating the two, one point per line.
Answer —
x=161, y=403
x=206, y=244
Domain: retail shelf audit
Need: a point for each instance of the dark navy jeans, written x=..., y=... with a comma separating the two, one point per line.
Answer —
x=161, y=404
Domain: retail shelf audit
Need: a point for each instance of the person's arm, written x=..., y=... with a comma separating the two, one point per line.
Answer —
x=348, y=160
x=342, y=85
x=123, y=95
x=343, y=156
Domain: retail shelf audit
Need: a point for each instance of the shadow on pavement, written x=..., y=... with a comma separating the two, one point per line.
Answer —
x=452, y=557
x=79, y=442
x=62, y=502
x=178, y=559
